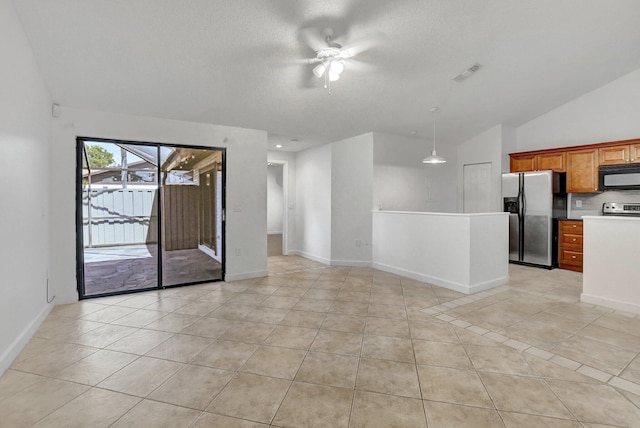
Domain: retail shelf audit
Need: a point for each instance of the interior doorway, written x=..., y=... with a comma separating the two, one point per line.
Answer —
x=277, y=219
x=149, y=216
x=477, y=188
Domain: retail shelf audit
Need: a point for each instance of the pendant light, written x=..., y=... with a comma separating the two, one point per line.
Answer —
x=434, y=158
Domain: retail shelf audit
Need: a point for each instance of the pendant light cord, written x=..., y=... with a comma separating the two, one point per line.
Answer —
x=434, y=111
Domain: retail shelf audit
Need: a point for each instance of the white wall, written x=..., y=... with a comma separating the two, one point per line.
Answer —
x=403, y=183
x=288, y=160
x=246, y=225
x=25, y=149
x=609, y=113
x=313, y=203
x=611, y=254
x=275, y=199
x=351, y=200
x=463, y=252
x=486, y=147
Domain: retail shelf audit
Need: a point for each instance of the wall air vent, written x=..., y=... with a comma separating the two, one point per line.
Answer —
x=467, y=73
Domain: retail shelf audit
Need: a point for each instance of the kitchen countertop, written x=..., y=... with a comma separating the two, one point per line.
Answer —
x=612, y=217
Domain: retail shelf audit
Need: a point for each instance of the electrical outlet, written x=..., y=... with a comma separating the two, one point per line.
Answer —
x=578, y=203
x=358, y=243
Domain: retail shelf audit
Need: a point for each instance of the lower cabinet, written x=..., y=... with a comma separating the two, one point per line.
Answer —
x=570, y=245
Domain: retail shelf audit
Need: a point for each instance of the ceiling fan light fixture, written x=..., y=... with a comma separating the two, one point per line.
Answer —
x=335, y=69
x=319, y=70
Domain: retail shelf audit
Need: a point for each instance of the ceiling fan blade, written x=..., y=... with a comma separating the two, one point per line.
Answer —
x=304, y=61
x=365, y=43
x=312, y=37
x=359, y=66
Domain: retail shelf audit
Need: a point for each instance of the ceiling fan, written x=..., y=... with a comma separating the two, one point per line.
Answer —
x=331, y=57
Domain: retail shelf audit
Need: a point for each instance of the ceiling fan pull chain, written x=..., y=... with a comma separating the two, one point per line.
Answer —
x=327, y=82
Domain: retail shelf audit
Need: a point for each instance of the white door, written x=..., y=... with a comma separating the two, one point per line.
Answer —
x=477, y=188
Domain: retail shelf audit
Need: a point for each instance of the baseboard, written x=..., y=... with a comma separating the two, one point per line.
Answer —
x=353, y=263
x=10, y=354
x=230, y=277
x=310, y=257
x=424, y=278
x=461, y=288
x=486, y=285
x=610, y=303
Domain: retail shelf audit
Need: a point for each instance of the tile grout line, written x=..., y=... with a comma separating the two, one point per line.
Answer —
x=613, y=380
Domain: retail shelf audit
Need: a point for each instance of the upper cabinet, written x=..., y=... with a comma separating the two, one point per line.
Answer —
x=523, y=162
x=579, y=162
x=553, y=161
x=619, y=154
x=582, y=171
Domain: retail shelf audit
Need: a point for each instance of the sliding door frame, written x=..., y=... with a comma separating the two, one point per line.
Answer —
x=80, y=157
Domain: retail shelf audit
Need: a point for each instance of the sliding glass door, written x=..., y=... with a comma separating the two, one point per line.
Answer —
x=190, y=226
x=148, y=216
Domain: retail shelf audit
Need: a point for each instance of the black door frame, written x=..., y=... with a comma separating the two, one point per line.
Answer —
x=79, y=216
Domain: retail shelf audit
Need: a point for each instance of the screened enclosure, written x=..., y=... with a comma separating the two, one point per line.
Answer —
x=149, y=216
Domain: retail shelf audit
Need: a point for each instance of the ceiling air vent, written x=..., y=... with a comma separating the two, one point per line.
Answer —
x=467, y=73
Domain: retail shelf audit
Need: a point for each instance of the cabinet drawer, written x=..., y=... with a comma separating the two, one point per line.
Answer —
x=570, y=256
x=571, y=226
x=567, y=239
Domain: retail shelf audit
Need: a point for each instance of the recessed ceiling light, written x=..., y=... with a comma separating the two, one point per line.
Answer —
x=278, y=146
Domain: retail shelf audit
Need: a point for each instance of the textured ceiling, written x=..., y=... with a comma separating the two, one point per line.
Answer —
x=232, y=62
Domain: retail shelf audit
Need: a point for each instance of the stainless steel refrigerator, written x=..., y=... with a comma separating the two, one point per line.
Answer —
x=534, y=201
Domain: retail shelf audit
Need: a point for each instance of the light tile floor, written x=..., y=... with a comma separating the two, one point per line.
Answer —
x=314, y=346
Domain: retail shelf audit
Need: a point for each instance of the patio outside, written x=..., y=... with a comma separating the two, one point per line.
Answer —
x=124, y=188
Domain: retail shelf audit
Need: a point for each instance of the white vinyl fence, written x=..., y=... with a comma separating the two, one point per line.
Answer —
x=120, y=217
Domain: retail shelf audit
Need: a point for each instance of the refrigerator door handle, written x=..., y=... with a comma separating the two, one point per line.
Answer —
x=521, y=213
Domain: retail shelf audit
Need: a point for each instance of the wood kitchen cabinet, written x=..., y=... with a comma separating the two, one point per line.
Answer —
x=522, y=163
x=619, y=154
x=579, y=162
x=582, y=171
x=553, y=161
x=570, y=241
x=537, y=162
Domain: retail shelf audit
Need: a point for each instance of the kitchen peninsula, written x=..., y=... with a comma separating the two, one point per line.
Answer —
x=463, y=252
x=611, y=259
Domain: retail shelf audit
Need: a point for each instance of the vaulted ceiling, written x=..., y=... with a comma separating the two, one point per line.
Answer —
x=234, y=62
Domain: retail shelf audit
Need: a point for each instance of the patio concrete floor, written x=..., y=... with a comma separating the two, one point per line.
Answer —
x=135, y=267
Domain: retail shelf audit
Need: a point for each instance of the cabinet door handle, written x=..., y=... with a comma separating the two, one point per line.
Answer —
x=573, y=257
x=574, y=225
x=574, y=239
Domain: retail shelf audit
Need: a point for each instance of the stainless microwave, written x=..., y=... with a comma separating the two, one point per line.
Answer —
x=619, y=177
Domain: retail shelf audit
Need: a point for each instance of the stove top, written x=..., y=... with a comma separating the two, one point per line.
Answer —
x=620, y=208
